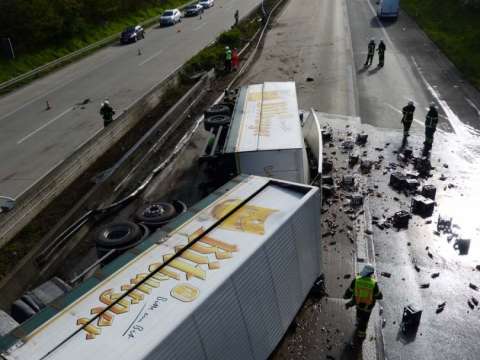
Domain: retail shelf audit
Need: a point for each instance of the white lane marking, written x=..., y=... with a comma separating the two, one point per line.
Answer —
x=465, y=131
x=199, y=26
x=151, y=58
x=472, y=104
x=44, y=126
x=55, y=89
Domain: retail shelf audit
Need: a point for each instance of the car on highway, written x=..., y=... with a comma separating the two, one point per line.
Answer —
x=132, y=34
x=193, y=10
x=170, y=17
x=207, y=3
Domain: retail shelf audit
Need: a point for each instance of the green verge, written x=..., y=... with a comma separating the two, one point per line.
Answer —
x=28, y=61
x=212, y=56
x=454, y=27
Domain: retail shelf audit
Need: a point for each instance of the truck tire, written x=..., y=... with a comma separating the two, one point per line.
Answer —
x=218, y=109
x=156, y=213
x=216, y=121
x=118, y=235
x=21, y=311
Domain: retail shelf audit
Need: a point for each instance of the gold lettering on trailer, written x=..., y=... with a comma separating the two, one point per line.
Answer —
x=105, y=319
x=108, y=297
x=147, y=286
x=163, y=274
x=202, y=249
x=134, y=295
x=185, y=292
x=198, y=259
x=91, y=330
x=189, y=270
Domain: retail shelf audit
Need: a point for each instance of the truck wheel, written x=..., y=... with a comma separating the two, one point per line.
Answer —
x=216, y=121
x=21, y=311
x=118, y=235
x=218, y=109
x=156, y=213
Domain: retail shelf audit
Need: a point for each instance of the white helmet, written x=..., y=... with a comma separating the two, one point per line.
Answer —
x=367, y=270
x=106, y=102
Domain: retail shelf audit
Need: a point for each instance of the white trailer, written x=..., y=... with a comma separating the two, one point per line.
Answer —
x=265, y=136
x=388, y=8
x=224, y=282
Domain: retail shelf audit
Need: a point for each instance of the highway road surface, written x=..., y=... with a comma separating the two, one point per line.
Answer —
x=322, y=46
x=34, y=140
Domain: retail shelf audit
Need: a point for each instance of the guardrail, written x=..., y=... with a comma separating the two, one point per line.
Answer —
x=37, y=197
x=69, y=57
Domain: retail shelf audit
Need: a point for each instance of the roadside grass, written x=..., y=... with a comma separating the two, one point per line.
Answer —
x=31, y=60
x=455, y=28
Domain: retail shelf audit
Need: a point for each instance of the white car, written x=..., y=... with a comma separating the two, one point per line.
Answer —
x=170, y=17
x=206, y=3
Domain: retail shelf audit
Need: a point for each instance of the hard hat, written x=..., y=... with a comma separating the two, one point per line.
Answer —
x=106, y=102
x=227, y=48
x=367, y=270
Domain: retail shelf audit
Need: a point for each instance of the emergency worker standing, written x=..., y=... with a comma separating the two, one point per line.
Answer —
x=363, y=293
x=371, y=52
x=431, y=121
x=228, y=59
x=407, y=118
x=107, y=113
x=381, y=53
x=237, y=16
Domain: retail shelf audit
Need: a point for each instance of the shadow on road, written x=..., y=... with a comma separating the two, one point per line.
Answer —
x=374, y=70
x=406, y=338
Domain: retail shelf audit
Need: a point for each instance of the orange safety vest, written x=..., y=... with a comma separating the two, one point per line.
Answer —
x=364, y=287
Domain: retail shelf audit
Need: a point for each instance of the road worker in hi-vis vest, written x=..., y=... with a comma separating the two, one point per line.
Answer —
x=363, y=293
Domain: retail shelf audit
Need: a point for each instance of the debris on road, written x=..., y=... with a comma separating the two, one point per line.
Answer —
x=401, y=219
x=440, y=307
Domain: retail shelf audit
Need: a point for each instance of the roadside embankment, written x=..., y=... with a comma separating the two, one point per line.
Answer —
x=454, y=26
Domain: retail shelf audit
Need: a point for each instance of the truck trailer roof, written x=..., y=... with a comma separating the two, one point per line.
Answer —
x=266, y=117
x=229, y=266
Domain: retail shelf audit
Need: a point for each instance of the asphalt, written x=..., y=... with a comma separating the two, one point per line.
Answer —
x=333, y=35
x=34, y=140
x=415, y=70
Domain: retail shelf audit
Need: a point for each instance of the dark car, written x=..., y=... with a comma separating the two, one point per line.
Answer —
x=132, y=34
x=194, y=10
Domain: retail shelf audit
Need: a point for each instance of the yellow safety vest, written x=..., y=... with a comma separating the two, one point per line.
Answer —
x=364, y=287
